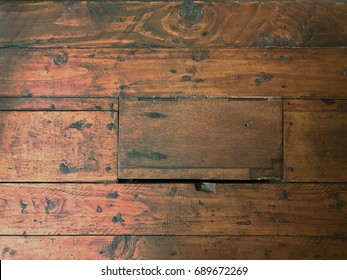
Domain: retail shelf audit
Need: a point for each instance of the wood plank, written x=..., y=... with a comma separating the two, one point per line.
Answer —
x=200, y=139
x=58, y=146
x=171, y=247
x=173, y=24
x=58, y=104
x=173, y=209
x=174, y=73
x=315, y=140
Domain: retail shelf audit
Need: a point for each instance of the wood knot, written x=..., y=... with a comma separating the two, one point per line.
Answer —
x=60, y=59
x=55, y=205
x=190, y=13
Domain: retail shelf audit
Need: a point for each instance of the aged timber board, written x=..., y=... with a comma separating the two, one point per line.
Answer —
x=202, y=139
x=173, y=24
x=51, y=146
x=173, y=73
x=315, y=140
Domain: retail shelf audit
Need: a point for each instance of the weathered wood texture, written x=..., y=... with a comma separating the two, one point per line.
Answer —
x=201, y=139
x=171, y=247
x=173, y=209
x=314, y=73
x=58, y=146
x=315, y=146
x=58, y=104
x=171, y=24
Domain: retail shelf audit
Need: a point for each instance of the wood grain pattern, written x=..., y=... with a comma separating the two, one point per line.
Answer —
x=58, y=104
x=171, y=247
x=174, y=73
x=203, y=139
x=315, y=140
x=173, y=209
x=172, y=24
x=58, y=146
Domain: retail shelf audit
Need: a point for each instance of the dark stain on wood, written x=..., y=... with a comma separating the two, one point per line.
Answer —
x=186, y=78
x=79, y=125
x=121, y=247
x=121, y=58
x=284, y=195
x=118, y=219
x=339, y=204
x=244, y=223
x=23, y=206
x=146, y=154
x=66, y=168
x=286, y=58
x=201, y=56
x=328, y=101
x=60, y=59
x=113, y=111
x=111, y=126
x=155, y=115
x=50, y=205
x=113, y=195
x=263, y=78
x=190, y=13
x=5, y=250
x=173, y=191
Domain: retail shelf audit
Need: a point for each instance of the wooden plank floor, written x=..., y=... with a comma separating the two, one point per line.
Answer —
x=173, y=130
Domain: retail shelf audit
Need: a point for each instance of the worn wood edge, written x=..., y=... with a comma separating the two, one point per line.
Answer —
x=171, y=247
x=174, y=209
x=188, y=174
x=58, y=104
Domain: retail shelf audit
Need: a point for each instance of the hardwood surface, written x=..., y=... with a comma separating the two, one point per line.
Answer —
x=242, y=92
x=172, y=247
x=204, y=139
x=173, y=24
x=174, y=73
x=173, y=209
x=58, y=104
x=44, y=146
x=315, y=134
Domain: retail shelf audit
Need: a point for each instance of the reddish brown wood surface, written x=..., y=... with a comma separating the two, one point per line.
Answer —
x=58, y=146
x=171, y=247
x=203, y=139
x=172, y=24
x=174, y=73
x=209, y=90
x=173, y=209
x=315, y=140
x=58, y=104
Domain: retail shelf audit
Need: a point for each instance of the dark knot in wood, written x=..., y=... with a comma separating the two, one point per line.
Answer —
x=60, y=59
x=190, y=13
